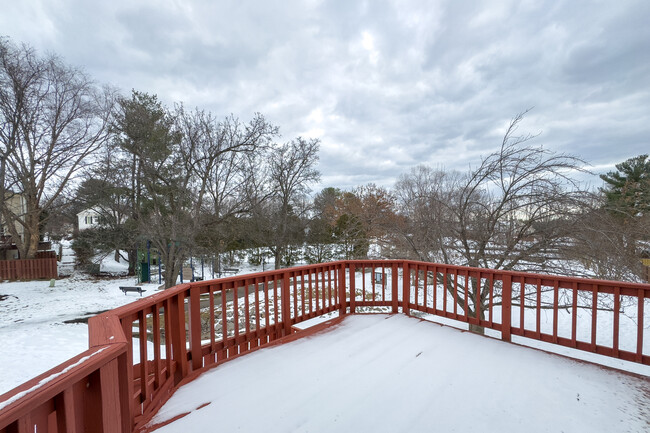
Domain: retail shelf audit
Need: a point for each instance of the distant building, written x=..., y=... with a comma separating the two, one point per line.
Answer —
x=16, y=203
x=88, y=218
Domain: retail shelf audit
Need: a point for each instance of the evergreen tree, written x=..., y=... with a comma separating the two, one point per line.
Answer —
x=628, y=189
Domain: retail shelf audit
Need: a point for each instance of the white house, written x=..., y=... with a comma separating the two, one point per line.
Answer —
x=88, y=218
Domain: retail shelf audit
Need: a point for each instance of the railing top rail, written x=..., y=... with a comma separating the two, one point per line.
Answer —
x=532, y=275
x=148, y=301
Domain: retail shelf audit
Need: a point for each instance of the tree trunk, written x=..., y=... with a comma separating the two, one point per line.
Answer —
x=133, y=260
x=172, y=270
x=278, y=258
x=32, y=247
x=476, y=328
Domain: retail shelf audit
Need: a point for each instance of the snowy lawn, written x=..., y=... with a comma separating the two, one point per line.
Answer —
x=385, y=373
x=33, y=335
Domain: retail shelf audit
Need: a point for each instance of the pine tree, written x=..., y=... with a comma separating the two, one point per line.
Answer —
x=627, y=190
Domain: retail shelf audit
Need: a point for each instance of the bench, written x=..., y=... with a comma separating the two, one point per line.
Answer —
x=226, y=271
x=132, y=289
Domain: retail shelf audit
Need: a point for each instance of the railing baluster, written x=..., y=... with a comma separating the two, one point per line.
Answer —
x=617, y=312
x=434, y=295
x=353, y=290
x=212, y=325
x=302, y=293
x=155, y=327
x=594, y=315
x=426, y=289
x=506, y=307
x=168, y=337
x=276, y=307
x=267, y=317
x=257, y=311
x=444, y=290
x=416, y=287
x=574, y=315
x=311, y=295
x=295, y=296
x=639, y=330
x=224, y=323
x=286, y=302
x=556, y=294
x=538, y=320
x=455, y=294
x=491, y=301
x=144, y=371
x=247, y=315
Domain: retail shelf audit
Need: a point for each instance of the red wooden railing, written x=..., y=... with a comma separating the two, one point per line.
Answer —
x=29, y=269
x=140, y=353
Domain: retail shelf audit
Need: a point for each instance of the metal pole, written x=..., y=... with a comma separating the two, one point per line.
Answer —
x=149, y=261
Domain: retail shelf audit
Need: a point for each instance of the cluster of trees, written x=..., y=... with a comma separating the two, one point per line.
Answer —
x=188, y=183
x=191, y=183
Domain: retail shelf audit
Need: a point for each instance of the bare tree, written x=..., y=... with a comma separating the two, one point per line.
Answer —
x=606, y=246
x=53, y=119
x=189, y=166
x=511, y=212
x=291, y=170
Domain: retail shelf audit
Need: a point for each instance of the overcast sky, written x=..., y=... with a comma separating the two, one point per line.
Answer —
x=385, y=85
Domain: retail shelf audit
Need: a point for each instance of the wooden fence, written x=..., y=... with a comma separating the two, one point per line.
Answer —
x=29, y=269
x=140, y=353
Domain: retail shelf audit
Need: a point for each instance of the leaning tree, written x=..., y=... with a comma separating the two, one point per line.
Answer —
x=52, y=119
x=510, y=212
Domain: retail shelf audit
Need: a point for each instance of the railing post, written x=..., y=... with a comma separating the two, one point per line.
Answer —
x=177, y=314
x=286, y=302
x=342, y=290
x=109, y=380
x=393, y=286
x=506, y=307
x=195, y=327
x=406, y=288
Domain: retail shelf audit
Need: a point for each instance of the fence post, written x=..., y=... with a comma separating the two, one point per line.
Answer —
x=406, y=288
x=506, y=307
x=286, y=302
x=342, y=290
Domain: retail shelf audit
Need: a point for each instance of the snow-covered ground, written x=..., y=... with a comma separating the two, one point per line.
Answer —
x=393, y=373
x=33, y=334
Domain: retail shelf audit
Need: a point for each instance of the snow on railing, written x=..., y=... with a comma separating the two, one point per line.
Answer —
x=160, y=342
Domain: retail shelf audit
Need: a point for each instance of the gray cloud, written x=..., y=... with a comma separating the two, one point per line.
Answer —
x=385, y=84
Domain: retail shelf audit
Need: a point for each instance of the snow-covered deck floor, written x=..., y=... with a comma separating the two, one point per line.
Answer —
x=392, y=373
